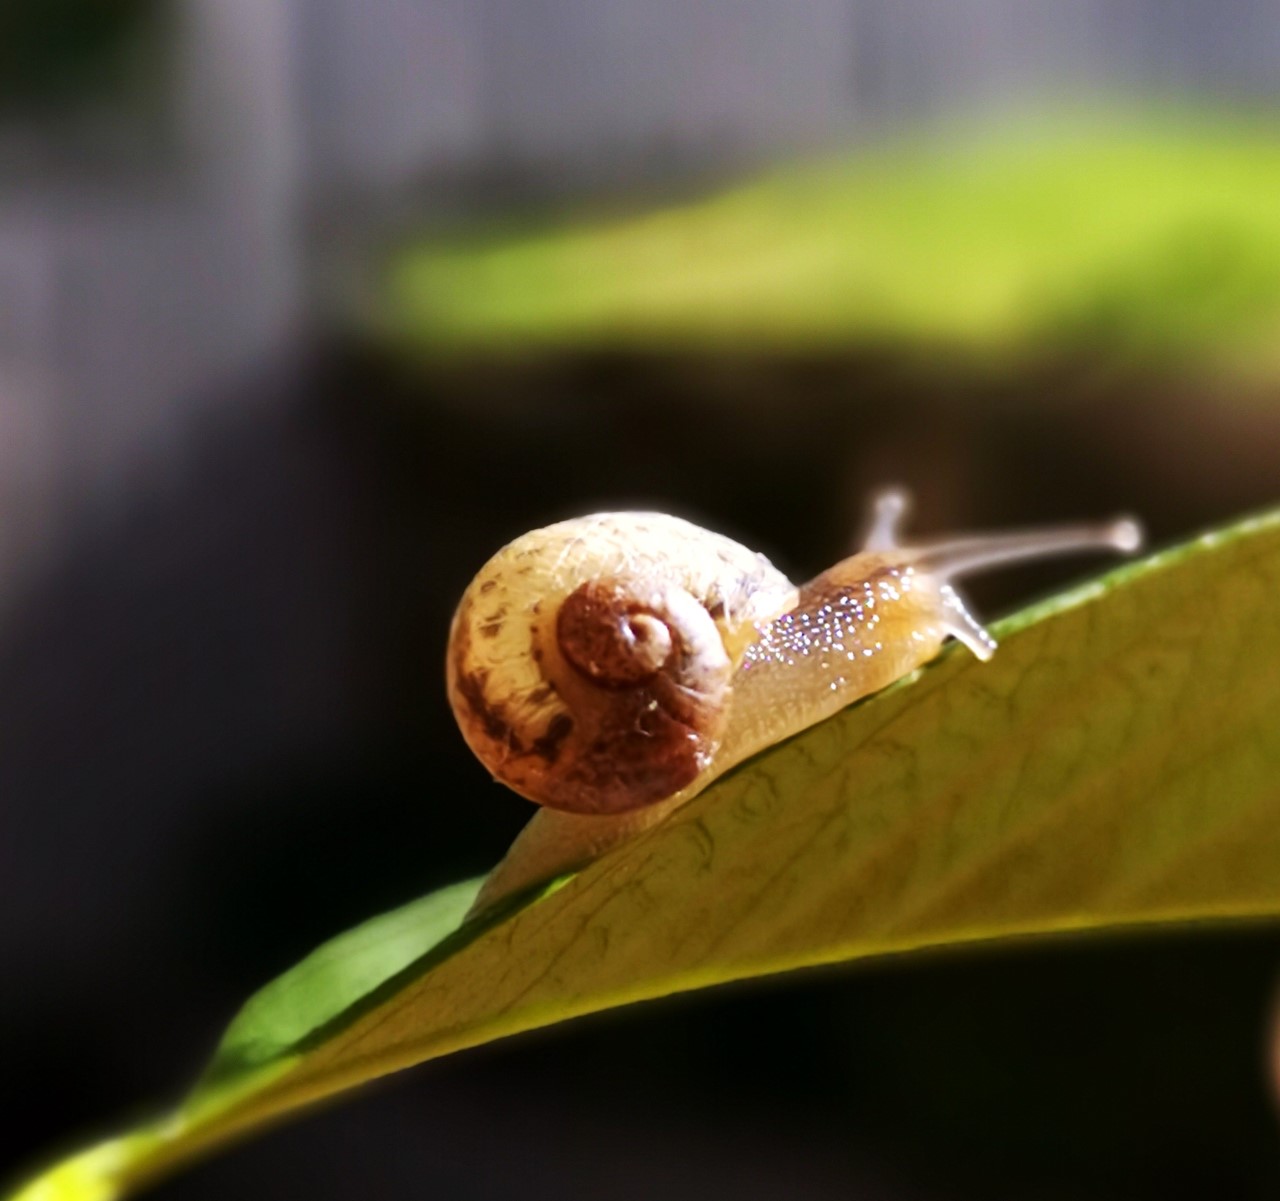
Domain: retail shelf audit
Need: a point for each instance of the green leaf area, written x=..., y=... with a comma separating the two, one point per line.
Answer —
x=1117, y=763
x=1155, y=237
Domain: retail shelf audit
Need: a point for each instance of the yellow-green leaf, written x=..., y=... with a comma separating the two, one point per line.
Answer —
x=1117, y=763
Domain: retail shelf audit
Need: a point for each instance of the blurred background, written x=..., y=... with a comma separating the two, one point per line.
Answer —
x=305, y=309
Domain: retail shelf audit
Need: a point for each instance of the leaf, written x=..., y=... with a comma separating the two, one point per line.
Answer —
x=1118, y=763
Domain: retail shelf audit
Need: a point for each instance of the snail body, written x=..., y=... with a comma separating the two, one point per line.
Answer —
x=610, y=667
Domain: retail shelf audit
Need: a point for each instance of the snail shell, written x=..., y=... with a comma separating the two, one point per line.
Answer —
x=589, y=662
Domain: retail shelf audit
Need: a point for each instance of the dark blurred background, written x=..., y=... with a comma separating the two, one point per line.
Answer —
x=307, y=308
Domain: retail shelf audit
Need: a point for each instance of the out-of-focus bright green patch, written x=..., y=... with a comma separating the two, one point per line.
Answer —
x=1164, y=239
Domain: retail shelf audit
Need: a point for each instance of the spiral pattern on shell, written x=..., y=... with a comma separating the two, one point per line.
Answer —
x=590, y=662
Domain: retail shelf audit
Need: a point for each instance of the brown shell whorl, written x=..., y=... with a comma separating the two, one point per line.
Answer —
x=610, y=638
x=646, y=680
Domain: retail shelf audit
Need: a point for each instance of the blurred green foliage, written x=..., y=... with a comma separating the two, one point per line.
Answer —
x=1156, y=237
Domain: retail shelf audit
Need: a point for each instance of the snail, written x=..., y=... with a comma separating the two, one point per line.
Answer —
x=610, y=667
